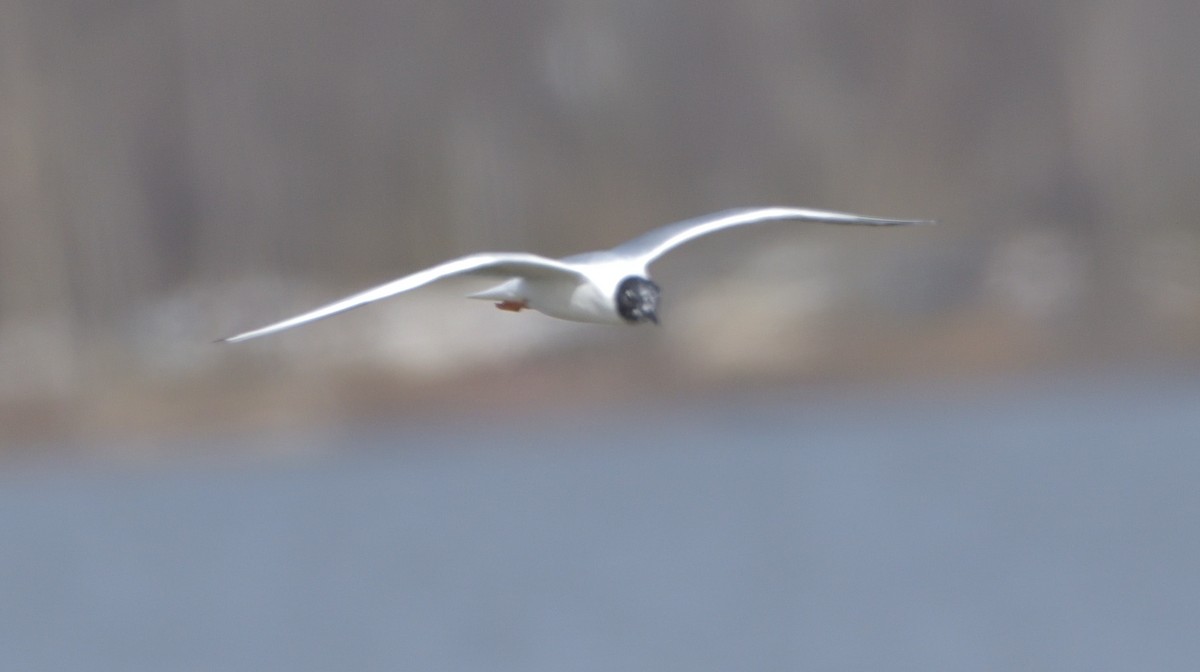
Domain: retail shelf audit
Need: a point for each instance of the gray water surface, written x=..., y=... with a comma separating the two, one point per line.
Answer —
x=1045, y=525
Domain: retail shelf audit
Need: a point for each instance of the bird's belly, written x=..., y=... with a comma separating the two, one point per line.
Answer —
x=583, y=302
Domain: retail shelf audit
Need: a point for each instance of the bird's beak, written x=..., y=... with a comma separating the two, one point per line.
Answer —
x=653, y=317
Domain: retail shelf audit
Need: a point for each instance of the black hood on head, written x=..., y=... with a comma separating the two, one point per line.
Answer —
x=637, y=300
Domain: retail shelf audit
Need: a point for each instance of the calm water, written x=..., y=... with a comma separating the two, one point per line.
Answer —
x=1039, y=525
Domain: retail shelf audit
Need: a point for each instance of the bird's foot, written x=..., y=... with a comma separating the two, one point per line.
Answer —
x=512, y=306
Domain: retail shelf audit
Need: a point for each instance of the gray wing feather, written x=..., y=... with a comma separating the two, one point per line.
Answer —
x=654, y=244
x=492, y=264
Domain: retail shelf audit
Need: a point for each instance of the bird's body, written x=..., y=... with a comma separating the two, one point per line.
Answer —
x=588, y=298
x=606, y=287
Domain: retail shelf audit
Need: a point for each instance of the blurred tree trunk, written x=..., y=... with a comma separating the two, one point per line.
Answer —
x=36, y=316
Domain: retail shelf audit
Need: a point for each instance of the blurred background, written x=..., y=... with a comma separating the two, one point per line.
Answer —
x=965, y=446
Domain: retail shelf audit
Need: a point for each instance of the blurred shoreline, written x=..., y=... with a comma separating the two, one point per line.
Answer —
x=140, y=418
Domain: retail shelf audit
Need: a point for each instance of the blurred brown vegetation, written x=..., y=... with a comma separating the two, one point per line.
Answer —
x=178, y=170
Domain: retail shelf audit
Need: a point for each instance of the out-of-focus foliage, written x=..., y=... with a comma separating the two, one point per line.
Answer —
x=177, y=170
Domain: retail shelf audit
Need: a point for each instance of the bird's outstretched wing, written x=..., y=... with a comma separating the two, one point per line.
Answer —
x=491, y=264
x=652, y=245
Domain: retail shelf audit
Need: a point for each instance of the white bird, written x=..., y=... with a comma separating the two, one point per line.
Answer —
x=604, y=287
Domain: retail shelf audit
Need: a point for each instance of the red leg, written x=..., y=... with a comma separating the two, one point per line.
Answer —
x=514, y=306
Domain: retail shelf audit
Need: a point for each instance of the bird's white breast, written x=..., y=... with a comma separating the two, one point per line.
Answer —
x=592, y=300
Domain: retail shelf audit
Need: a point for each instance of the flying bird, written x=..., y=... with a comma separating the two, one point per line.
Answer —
x=605, y=287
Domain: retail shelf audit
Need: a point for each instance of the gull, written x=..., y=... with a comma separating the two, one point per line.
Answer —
x=604, y=287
